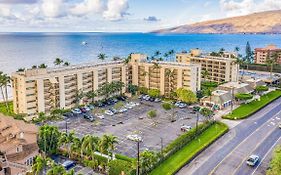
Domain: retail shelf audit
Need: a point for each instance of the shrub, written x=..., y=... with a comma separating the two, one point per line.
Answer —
x=167, y=106
x=143, y=90
x=243, y=96
x=117, y=166
x=154, y=93
x=123, y=157
x=261, y=88
x=152, y=113
x=209, y=84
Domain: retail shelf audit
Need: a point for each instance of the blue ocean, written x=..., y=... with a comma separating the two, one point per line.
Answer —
x=20, y=50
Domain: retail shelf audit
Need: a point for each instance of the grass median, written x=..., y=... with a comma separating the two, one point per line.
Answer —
x=246, y=110
x=188, y=152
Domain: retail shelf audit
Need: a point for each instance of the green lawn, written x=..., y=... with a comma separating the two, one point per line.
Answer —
x=183, y=156
x=4, y=110
x=245, y=110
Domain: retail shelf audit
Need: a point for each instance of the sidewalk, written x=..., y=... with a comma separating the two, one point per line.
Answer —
x=230, y=123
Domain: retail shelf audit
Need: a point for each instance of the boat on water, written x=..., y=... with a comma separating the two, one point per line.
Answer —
x=84, y=43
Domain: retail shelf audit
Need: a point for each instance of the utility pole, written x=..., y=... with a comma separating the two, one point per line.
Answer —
x=138, y=166
x=197, y=120
x=232, y=96
x=66, y=126
x=161, y=146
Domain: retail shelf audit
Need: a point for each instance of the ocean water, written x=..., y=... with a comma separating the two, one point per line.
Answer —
x=20, y=50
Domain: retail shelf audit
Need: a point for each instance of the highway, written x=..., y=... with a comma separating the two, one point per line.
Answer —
x=258, y=134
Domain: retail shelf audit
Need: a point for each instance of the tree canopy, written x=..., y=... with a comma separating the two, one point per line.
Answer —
x=243, y=96
x=186, y=96
x=154, y=92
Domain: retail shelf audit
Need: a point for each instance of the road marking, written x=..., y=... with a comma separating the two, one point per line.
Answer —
x=257, y=145
x=266, y=155
x=238, y=146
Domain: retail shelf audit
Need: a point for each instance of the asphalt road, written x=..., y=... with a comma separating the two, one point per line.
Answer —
x=255, y=135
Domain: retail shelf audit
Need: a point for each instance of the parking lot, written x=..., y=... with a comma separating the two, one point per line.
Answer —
x=155, y=132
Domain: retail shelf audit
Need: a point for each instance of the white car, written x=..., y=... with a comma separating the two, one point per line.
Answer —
x=157, y=100
x=76, y=111
x=128, y=106
x=182, y=105
x=100, y=116
x=253, y=160
x=109, y=112
x=87, y=108
x=135, y=138
x=177, y=103
x=137, y=103
x=122, y=110
x=186, y=128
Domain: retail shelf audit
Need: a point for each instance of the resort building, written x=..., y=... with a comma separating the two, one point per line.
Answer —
x=262, y=54
x=18, y=146
x=42, y=90
x=220, y=68
x=236, y=87
x=219, y=99
x=165, y=76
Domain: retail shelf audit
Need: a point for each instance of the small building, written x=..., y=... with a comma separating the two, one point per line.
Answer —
x=254, y=82
x=18, y=146
x=236, y=87
x=219, y=99
x=262, y=54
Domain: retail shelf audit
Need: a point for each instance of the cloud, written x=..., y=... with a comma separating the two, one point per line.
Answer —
x=88, y=6
x=243, y=7
x=152, y=19
x=18, y=1
x=52, y=8
x=116, y=9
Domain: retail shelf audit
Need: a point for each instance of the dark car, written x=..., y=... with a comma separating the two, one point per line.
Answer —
x=68, y=114
x=151, y=99
x=83, y=110
x=68, y=164
x=89, y=117
x=122, y=98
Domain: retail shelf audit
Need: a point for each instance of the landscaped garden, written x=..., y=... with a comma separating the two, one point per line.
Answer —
x=246, y=110
x=191, y=149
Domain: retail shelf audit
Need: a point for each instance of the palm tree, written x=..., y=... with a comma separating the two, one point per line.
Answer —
x=170, y=74
x=271, y=60
x=128, y=59
x=171, y=53
x=40, y=164
x=58, y=62
x=66, y=63
x=5, y=81
x=75, y=146
x=237, y=49
x=166, y=55
x=79, y=95
x=42, y=66
x=91, y=95
x=205, y=74
x=102, y=56
x=221, y=51
x=112, y=140
x=34, y=67
x=157, y=53
x=89, y=145
x=21, y=69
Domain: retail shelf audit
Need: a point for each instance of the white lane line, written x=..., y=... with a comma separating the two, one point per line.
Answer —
x=266, y=155
x=214, y=169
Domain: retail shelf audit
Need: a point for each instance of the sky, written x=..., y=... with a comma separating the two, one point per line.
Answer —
x=119, y=15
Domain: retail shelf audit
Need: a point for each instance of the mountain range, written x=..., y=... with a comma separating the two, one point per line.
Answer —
x=268, y=22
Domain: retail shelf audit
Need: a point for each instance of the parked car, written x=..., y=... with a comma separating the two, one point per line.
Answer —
x=122, y=98
x=89, y=117
x=109, y=112
x=137, y=103
x=186, y=128
x=279, y=125
x=100, y=116
x=157, y=100
x=141, y=96
x=135, y=138
x=146, y=97
x=101, y=104
x=182, y=105
x=140, y=117
x=128, y=106
x=122, y=110
x=76, y=111
x=113, y=110
x=177, y=103
x=68, y=164
x=91, y=107
x=253, y=160
x=120, y=122
x=68, y=114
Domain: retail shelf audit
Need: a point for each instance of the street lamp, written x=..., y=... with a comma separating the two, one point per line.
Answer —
x=138, y=161
x=232, y=96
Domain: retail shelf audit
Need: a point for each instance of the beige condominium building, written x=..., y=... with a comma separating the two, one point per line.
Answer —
x=262, y=54
x=18, y=146
x=165, y=76
x=220, y=69
x=42, y=90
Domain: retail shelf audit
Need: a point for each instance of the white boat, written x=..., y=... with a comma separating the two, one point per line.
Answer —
x=84, y=43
